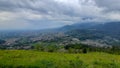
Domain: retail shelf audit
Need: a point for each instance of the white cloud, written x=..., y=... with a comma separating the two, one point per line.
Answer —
x=39, y=13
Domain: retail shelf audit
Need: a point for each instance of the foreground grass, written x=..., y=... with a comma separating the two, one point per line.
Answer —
x=35, y=59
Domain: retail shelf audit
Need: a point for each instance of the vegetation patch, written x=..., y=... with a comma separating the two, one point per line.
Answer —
x=37, y=59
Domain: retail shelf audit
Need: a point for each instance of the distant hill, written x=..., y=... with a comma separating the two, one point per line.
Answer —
x=111, y=27
x=77, y=26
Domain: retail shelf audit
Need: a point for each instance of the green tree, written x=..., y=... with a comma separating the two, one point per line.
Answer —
x=84, y=50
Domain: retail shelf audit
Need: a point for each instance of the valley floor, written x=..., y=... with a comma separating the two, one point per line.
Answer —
x=36, y=59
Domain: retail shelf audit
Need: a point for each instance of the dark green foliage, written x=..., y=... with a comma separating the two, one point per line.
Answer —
x=84, y=50
x=74, y=48
x=2, y=47
x=49, y=47
x=39, y=46
x=77, y=48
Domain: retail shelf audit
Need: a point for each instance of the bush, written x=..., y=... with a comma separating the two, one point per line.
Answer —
x=84, y=50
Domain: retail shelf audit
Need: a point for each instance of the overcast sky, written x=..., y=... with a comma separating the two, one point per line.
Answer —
x=40, y=14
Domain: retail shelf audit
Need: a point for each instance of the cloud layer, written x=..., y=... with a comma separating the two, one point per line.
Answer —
x=40, y=14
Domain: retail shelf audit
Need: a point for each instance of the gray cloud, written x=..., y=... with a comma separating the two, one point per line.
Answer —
x=39, y=13
x=109, y=5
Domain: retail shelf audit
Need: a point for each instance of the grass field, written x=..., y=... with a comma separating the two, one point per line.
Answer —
x=35, y=59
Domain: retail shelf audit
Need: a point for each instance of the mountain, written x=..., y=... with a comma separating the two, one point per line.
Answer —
x=111, y=27
x=77, y=26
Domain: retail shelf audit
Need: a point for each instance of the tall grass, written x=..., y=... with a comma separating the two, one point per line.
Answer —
x=35, y=59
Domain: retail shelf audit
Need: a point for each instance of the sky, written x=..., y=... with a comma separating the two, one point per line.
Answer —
x=42, y=14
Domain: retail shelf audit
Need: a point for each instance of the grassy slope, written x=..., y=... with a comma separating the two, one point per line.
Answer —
x=35, y=59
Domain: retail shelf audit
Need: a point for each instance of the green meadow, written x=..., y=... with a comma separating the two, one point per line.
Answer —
x=36, y=59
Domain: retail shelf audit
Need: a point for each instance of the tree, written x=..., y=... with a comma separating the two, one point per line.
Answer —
x=39, y=47
x=84, y=50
